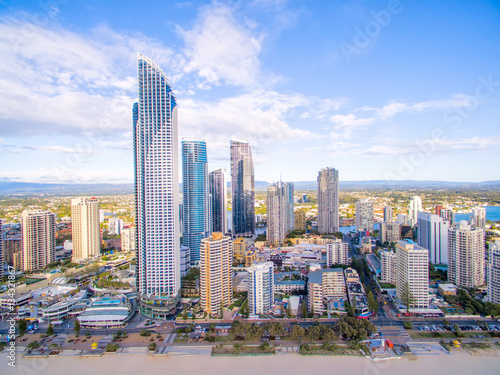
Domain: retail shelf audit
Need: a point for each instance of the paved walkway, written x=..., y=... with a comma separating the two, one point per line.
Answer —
x=169, y=339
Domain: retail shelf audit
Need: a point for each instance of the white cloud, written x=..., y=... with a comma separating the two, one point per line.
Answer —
x=221, y=50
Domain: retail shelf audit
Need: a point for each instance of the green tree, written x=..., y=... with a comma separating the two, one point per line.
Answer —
x=50, y=329
x=77, y=327
x=22, y=325
x=297, y=332
x=408, y=325
x=407, y=297
x=372, y=303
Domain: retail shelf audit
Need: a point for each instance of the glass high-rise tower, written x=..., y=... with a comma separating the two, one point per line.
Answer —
x=218, y=198
x=156, y=191
x=196, y=204
x=280, y=218
x=242, y=189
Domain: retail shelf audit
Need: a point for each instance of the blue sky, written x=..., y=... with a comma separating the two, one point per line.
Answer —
x=376, y=89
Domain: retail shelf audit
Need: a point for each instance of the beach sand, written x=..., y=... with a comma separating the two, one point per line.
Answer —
x=141, y=364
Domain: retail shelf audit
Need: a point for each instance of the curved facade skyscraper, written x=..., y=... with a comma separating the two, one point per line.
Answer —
x=328, y=200
x=156, y=191
x=242, y=189
x=196, y=204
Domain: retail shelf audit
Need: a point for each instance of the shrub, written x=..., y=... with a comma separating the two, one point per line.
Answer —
x=152, y=346
x=145, y=333
x=34, y=345
x=112, y=347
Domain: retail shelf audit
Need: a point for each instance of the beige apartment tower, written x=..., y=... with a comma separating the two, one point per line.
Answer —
x=39, y=246
x=86, y=231
x=216, y=284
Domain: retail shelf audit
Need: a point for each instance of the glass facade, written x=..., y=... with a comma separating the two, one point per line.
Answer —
x=196, y=204
x=242, y=189
x=156, y=183
x=218, y=200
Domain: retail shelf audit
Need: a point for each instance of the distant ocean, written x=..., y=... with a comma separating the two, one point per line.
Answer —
x=492, y=213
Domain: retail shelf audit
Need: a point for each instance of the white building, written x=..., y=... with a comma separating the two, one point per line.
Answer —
x=326, y=288
x=39, y=246
x=85, y=228
x=433, y=235
x=115, y=225
x=388, y=266
x=260, y=287
x=157, y=191
x=494, y=273
x=364, y=215
x=402, y=219
x=412, y=273
x=478, y=218
x=129, y=239
x=337, y=252
x=466, y=255
x=414, y=209
x=389, y=232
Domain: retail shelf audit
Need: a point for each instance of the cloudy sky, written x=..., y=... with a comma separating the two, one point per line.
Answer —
x=377, y=89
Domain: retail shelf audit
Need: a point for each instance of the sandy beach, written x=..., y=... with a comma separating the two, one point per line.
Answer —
x=124, y=364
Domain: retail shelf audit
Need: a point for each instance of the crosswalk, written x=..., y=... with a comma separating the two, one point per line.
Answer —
x=169, y=339
x=163, y=350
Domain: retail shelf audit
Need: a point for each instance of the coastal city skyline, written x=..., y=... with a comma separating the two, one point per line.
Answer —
x=344, y=101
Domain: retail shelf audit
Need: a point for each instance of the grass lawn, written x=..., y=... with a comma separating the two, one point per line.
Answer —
x=241, y=349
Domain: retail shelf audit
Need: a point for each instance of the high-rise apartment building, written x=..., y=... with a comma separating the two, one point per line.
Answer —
x=85, y=228
x=364, y=215
x=389, y=232
x=388, y=213
x=11, y=246
x=39, y=242
x=280, y=217
x=115, y=226
x=218, y=198
x=414, y=208
x=242, y=189
x=494, y=273
x=388, y=266
x=337, y=252
x=432, y=233
x=196, y=223
x=328, y=200
x=156, y=192
x=402, y=219
x=466, y=255
x=478, y=218
x=129, y=239
x=325, y=288
x=2, y=257
x=260, y=287
x=239, y=248
x=216, y=283
x=412, y=274
x=299, y=220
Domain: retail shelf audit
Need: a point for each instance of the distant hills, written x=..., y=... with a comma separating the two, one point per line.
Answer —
x=32, y=189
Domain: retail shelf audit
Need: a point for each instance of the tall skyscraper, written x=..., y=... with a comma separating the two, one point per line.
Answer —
x=337, y=252
x=218, y=198
x=85, y=228
x=196, y=223
x=216, y=283
x=466, y=255
x=388, y=213
x=388, y=266
x=260, y=287
x=364, y=215
x=280, y=218
x=242, y=189
x=328, y=200
x=299, y=220
x=432, y=233
x=39, y=242
x=478, y=218
x=415, y=207
x=156, y=192
x=412, y=273
x=494, y=273
x=2, y=257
